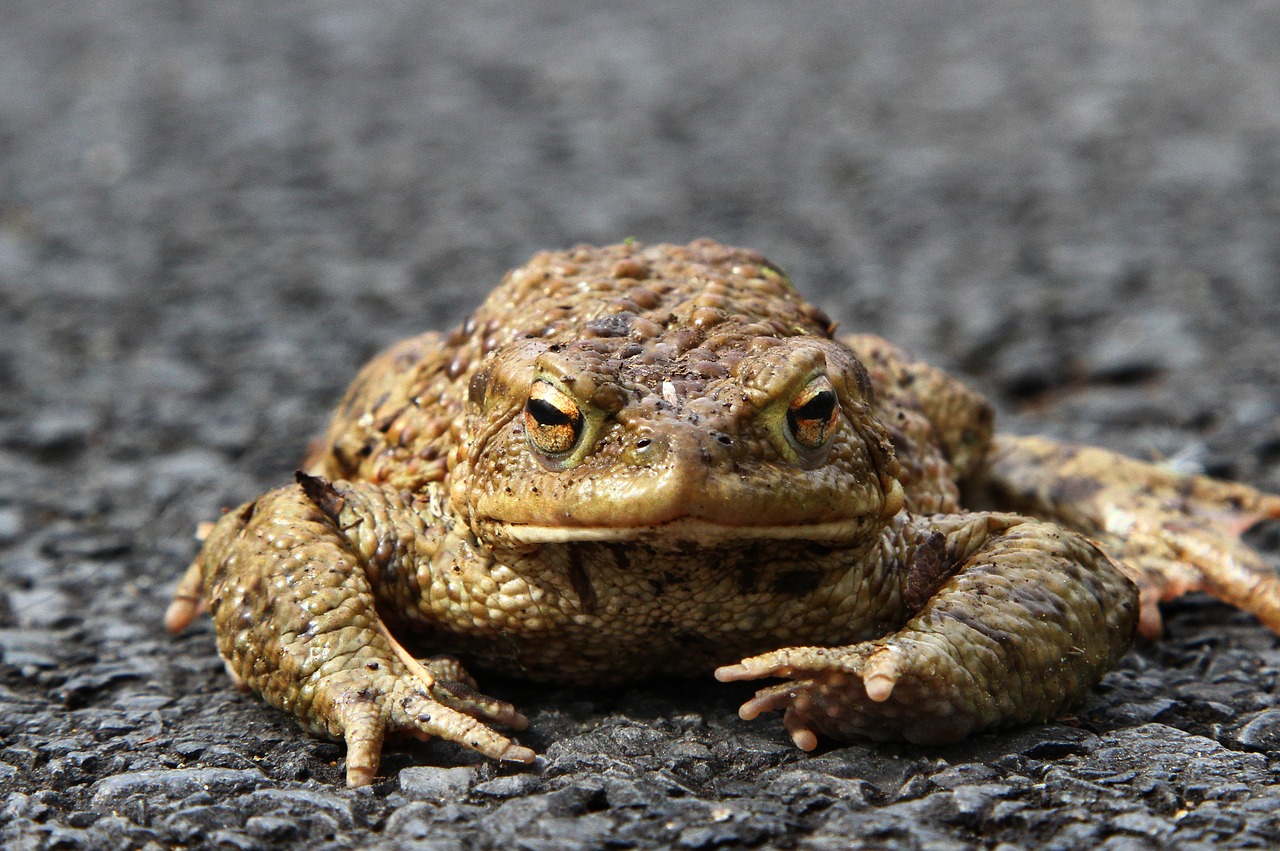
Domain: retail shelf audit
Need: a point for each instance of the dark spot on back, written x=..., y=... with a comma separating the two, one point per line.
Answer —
x=407, y=357
x=612, y=325
x=387, y=420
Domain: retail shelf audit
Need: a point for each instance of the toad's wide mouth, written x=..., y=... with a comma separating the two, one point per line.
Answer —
x=683, y=529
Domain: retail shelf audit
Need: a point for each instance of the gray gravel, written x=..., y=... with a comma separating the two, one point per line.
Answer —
x=210, y=214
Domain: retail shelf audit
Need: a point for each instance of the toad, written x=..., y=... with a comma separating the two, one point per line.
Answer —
x=660, y=461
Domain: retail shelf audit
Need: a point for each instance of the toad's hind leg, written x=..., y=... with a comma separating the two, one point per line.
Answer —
x=1171, y=532
x=287, y=580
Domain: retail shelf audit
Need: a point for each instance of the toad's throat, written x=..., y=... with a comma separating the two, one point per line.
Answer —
x=686, y=529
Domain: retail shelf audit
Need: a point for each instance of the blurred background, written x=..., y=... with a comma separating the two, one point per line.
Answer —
x=1045, y=196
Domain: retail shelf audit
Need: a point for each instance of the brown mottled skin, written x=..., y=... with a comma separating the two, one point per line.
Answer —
x=657, y=461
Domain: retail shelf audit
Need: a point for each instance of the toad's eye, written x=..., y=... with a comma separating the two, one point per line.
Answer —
x=552, y=420
x=811, y=416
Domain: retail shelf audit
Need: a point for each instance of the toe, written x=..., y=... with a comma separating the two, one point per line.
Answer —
x=464, y=698
x=518, y=753
x=788, y=662
x=802, y=736
x=188, y=600
x=880, y=674
x=363, y=735
x=416, y=711
x=769, y=700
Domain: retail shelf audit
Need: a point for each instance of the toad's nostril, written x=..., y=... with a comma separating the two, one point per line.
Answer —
x=724, y=439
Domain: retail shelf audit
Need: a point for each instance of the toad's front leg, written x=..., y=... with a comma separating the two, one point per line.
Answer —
x=287, y=579
x=1030, y=621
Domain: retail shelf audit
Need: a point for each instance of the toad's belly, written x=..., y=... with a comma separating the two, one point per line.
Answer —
x=603, y=613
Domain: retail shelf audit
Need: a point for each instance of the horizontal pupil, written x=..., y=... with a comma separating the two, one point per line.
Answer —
x=547, y=414
x=817, y=408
